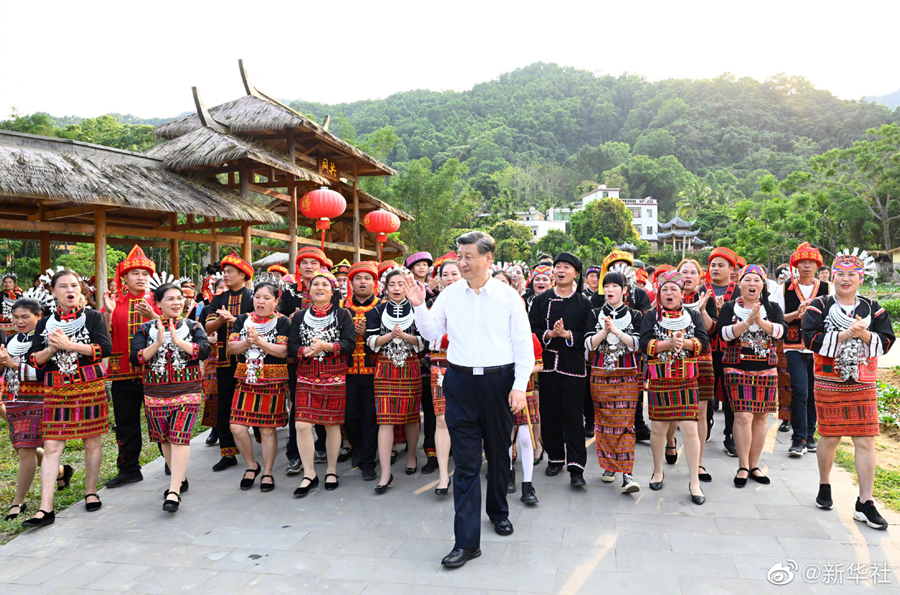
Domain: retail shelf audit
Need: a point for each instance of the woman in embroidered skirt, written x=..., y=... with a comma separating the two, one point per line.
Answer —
x=391, y=333
x=611, y=340
x=696, y=298
x=170, y=351
x=259, y=340
x=321, y=337
x=847, y=333
x=69, y=348
x=750, y=325
x=24, y=400
x=672, y=336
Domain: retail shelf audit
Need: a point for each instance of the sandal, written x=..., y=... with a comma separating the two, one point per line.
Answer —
x=22, y=508
x=704, y=476
x=329, y=486
x=92, y=506
x=759, y=478
x=247, y=482
x=266, y=487
x=66, y=478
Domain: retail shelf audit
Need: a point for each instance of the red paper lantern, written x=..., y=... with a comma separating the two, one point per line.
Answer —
x=323, y=205
x=381, y=223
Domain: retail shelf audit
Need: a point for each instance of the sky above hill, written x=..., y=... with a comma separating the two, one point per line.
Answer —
x=91, y=58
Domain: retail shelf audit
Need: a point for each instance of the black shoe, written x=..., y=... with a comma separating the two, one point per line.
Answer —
x=124, y=478
x=22, y=509
x=705, y=476
x=295, y=466
x=247, y=482
x=811, y=444
x=266, y=486
x=553, y=469
x=642, y=433
x=171, y=505
x=503, y=527
x=458, y=557
x=716, y=405
x=167, y=470
x=671, y=459
x=185, y=486
x=225, y=463
x=710, y=422
x=47, y=519
x=759, y=478
x=785, y=426
x=696, y=499
x=213, y=437
x=511, y=483
x=442, y=491
x=823, y=499
x=868, y=514
x=412, y=470
x=333, y=485
x=797, y=448
x=66, y=479
x=588, y=431
x=345, y=454
x=528, y=495
x=393, y=456
x=383, y=487
x=657, y=485
x=304, y=489
x=369, y=475
x=539, y=460
x=576, y=480
x=92, y=506
x=730, y=448
x=741, y=481
x=430, y=466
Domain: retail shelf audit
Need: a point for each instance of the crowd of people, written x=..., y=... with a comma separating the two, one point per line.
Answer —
x=353, y=359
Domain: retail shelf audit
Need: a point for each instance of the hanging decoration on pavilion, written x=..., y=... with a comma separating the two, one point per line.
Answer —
x=381, y=223
x=323, y=205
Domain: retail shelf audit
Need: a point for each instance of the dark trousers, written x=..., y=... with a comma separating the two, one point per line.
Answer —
x=478, y=416
x=227, y=383
x=803, y=400
x=719, y=374
x=360, y=420
x=588, y=406
x=430, y=418
x=127, y=401
x=562, y=426
x=291, y=450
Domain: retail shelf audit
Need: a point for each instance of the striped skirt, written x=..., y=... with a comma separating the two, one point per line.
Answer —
x=752, y=392
x=398, y=391
x=615, y=395
x=171, y=411
x=707, y=380
x=260, y=404
x=784, y=384
x=321, y=396
x=846, y=408
x=210, y=395
x=673, y=399
x=532, y=404
x=438, y=368
x=76, y=411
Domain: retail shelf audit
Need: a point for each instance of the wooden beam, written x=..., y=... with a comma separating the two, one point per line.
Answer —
x=100, y=251
x=80, y=239
x=209, y=224
x=49, y=226
x=292, y=232
x=272, y=193
x=174, y=265
x=11, y=210
x=265, y=248
x=272, y=235
x=166, y=234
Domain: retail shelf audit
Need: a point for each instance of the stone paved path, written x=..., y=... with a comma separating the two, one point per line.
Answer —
x=594, y=540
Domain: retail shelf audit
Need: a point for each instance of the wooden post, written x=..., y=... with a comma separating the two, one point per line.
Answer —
x=45, y=251
x=356, y=221
x=245, y=181
x=174, y=265
x=213, y=252
x=247, y=245
x=100, y=251
x=292, y=231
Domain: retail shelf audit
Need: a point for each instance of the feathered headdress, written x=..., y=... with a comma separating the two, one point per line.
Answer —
x=160, y=279
x=857, y=260
x=42, y=296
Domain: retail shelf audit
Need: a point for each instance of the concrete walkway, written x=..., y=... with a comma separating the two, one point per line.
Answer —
x=594, y=540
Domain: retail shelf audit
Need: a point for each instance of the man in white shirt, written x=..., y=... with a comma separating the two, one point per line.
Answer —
x=490, y=357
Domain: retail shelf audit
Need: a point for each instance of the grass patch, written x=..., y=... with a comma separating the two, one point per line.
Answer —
x=73, y=455
x=887, y=479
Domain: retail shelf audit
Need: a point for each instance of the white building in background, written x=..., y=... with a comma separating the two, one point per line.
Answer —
x=644, y=212
x=538, y=224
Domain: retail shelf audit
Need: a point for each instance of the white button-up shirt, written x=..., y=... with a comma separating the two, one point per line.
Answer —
x=485, y=329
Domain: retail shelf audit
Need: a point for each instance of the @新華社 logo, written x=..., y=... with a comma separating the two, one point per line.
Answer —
x=782, y=574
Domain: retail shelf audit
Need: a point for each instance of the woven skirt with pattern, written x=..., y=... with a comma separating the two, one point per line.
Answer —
x=438, y=368
x=398, y=392
x=673, y=399
x=321, y=396
x=24, y=416
x=615, y=395
x=752, y=392
x=846, y=408
x=707, y=379
x=259, y=404
x=76, y=411
x=171, y=411
x=784, y=384
x=532, y=404
x=210, y=395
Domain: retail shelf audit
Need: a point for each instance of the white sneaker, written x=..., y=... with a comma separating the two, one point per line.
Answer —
x=629, y=485
x=608, y=477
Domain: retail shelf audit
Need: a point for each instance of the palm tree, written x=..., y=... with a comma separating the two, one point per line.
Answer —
x=697, y=196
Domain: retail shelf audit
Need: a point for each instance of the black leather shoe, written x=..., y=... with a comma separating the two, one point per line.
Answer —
x=672, y=458
x=442, y=491
x=267, y=486
x=577, y=480
x=124, y=478
x=740, y=482
x=66, y=479
x=304, y=489
x=247, y=482
x=49, y=518
x=503, y=527
x=785, y=426
x=13, y=515
x=369, y=475
x=430, y=466
x=92, y=506
x=528, y=495
x=167, y=470
x=553, y=469
x=642, y=433
x=759, y=478
x=383, y=487
x=696, y=499
x=460, y=556
x=657, y=485
x=705, y=476
x=225, y=463
x=171, y=505
x=511, y=483
x=212, y=438
x=185, y=486
x=331, y=485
